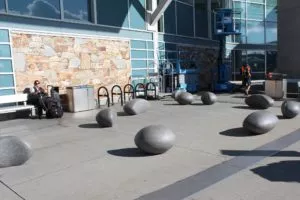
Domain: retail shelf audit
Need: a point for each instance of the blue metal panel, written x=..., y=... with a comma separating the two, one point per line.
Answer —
x=139, y=64
x=138, y=44
x=150, y=45
x=71, y=27
x=7, y=92
x=4, y=50
x=6, y=80
x=139, y=73
x=4, y=37
x=6, y=66
x=138, y=54
x=150, y=54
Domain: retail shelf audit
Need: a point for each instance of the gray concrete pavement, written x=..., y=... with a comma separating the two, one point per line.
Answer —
x=74, y=159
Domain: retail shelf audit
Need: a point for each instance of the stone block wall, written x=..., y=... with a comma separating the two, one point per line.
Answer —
x=66, y=61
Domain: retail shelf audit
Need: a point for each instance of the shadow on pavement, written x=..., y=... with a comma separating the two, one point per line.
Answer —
x=239, y=97
x=281, y=117
x=122, y=114
x=283, y=171
x=91, y=125
x=263, y=153
x=177, y=104
x=237, y=132
x=244, y=107
x=128, y=152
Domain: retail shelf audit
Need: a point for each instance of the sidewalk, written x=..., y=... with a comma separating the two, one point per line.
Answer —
x=213, y=158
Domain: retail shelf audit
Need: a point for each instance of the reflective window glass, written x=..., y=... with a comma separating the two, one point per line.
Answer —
x=271, y=61
x=37, y=8
x=81, y=10
x=255, y=11
x=137, y=14
x=271, y=13
x=240, y=8
x=2, y=5
x=169, y=19
x=201, y=18
x=257, y=1
x=111, y=13
x=187, y=1
x=256, y=60
x=255, y=32
x=185, y=22
x=271, y=32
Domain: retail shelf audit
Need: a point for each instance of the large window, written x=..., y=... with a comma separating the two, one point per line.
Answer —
x=185, y=23
x=111, y=13
x=240, y=7
x=201, y=18
x=255, y=32
x=255, y=11
x=2, y=6
x=169, y=19
x=256, y=60
x=271, y=10
x=37, y=8
x=271, y=61
x=271, y=32
x=137, y=14
x=77, y=10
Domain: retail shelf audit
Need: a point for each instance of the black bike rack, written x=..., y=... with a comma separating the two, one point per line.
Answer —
x=103, y=95
x=130, y=90
x=140, y=87
x=113, y=93
x=151, y=89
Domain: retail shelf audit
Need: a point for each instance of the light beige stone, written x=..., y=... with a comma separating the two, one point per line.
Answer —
x=65, y=61
x=19, y=62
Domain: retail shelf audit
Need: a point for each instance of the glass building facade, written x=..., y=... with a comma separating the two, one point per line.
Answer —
x=184, y=23
x=257, y=45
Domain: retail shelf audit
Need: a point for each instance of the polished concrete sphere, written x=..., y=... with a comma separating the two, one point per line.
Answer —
x=259, y=101
x=290, y=109
x=106, y=118
x=185, y=98
x=177, y=92
x=208, y=98
x=155, y=139
x=13, y=151
x=260, y=122
x=136, y=106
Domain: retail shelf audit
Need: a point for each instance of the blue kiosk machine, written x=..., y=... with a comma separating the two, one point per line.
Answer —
x=225, y=24
x=188, y=75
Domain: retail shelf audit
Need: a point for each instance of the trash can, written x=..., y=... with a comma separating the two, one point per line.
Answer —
x=80, y=98
x=276, y=85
